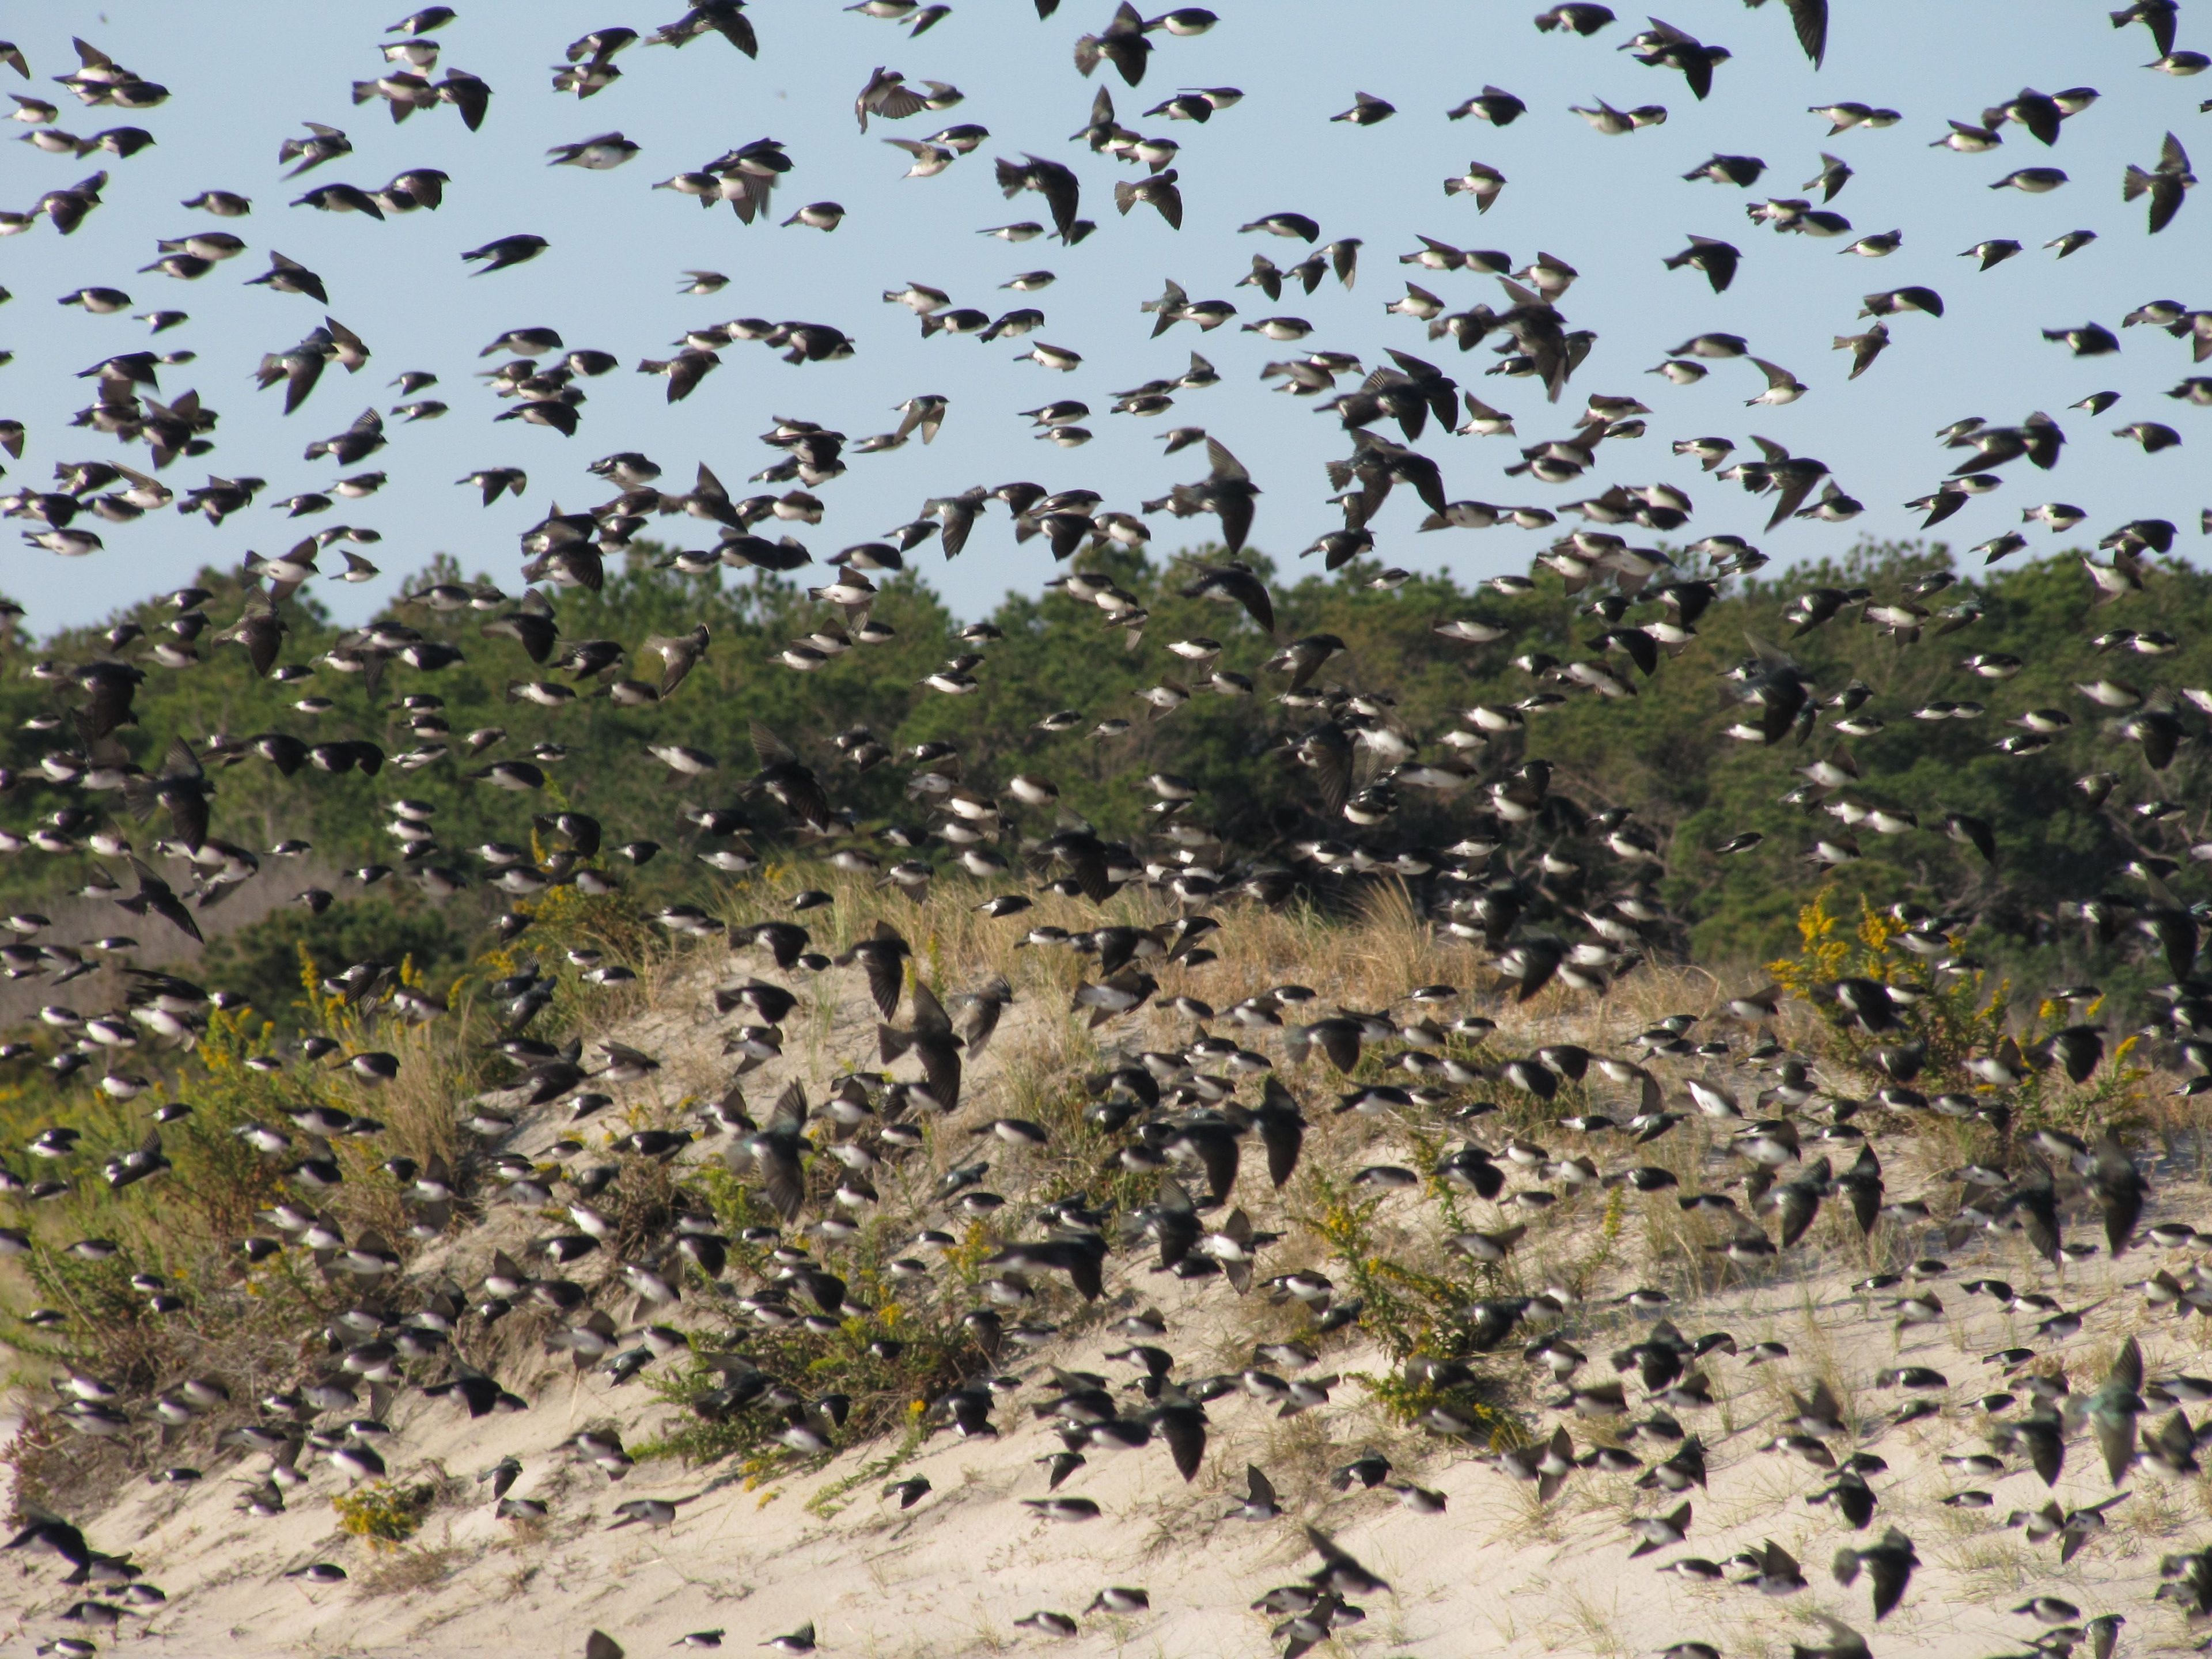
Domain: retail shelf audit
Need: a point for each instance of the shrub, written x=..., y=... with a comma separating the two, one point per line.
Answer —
x=383, y=1513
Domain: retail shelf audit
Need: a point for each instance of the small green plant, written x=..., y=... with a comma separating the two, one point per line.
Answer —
x=1955, y=1015
x=384, y=1512
x=1418, y=1315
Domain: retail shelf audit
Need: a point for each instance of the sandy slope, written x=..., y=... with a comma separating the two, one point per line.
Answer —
x=1496, y=1574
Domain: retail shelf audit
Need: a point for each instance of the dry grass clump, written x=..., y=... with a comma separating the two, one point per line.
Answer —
x=408, y=1570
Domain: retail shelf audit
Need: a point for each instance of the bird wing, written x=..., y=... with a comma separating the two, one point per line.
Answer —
x=783, y=1181
x=2038, y=1207
x=1225, y=465
x=914, y=415
x=188, y=815
x=772, y=750
x=2165, y=198
x=1793, y=497
x=2116, y=1439
x=733, y=25
x=1977, y=832
x=179, y=762
x=929, y=1015
x=1247, y=589
x=1426, y=477
x=302, y=371
x=1822, y=1403
x=708, y=492
x=788, y=1115
x=683, y=374
x=2127, y=1372
x=1061, y=189
x=109, y=705
x=1088, y=866
x=1218, y=1154
x=2176, y=1440
x=1326, y=1548
x=955, y=525
x=1891, y=1572
x=1547, y=345
x=1340, y=1040
x=896, y=103
x=886, y=979
x=1235, y=513
x=1282, y=1134
x=2120, y=1191
x=156, y=894
x=1799, y=1203
x=1332, y=761
x=2046, y=1448
x=1185, y=1432
x=1865, y=1195
x=978, y=1019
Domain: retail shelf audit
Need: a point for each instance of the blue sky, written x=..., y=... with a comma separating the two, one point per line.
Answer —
x=1613, y=206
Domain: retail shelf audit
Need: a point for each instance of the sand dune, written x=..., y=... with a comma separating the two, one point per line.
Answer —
x=763, y=1552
